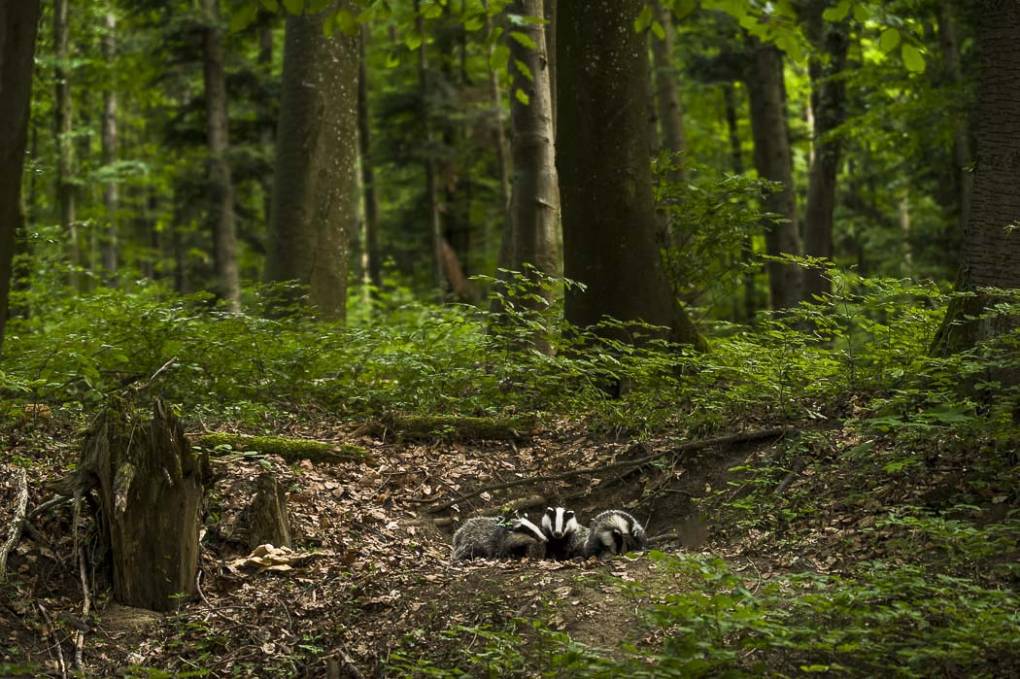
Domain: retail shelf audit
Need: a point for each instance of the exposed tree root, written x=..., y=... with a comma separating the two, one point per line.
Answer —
x=17, y=522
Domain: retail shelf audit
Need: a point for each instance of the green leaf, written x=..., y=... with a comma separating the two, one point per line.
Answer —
x=294, y=6
x=522, y=96
x=658, y=30
x=889, y=40
x=837, y=13
x=524, y=39
x=413, y=41
x=346, y=22
x=271, y=5
x=683, y=8
x=523, y=69
x=644, y=19
x=912, y=58
x=243, y=17
x=861, y=13
x=433, y=11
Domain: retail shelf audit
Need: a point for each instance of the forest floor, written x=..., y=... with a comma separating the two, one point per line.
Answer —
x=370, y=589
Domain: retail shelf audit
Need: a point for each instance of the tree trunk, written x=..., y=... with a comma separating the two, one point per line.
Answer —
x=221, y=185
x=268, y=119
x=551, y=10
x=374, y=262
x=268, y=518
x=150, y=486
x=991, y=243
x=431, y=180
x=666, y=84
x=828, y=103
x=609, y=218
x=535, y=204
x=963, y=154
x=772, y=159
x=315, y=196
x=750, y=307
x=19, y=22
x=65, y=147
x=109, y=140
x=502, y=150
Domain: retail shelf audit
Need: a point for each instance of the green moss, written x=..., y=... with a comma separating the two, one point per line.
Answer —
x=460, y=428
x=290, y=449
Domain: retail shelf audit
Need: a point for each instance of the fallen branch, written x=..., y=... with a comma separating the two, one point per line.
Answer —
x=690, y=446
x=86, y=606
x=14, y=531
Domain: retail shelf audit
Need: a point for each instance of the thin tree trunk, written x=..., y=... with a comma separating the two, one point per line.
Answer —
x=666, y=84
x=502, y=151
x=372, y=256
x=268, y=123
x=19, y=23
x=963, y=154
x=221, y=185
x=828, y=104
x=737, y=164
x=773, y=161
x=431, y=180
x=315, y=195
x=551, y=11
x=535, y=203
x=991, y=243
x=609, y=217
x=65, y=147
x=109, y=140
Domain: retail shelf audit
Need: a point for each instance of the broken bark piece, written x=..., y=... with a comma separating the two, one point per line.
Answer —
x=290, y=449
x=458, y=427
x=269, y=521
x=150, y=486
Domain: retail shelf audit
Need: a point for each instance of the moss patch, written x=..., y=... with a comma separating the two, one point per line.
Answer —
x=290, y=449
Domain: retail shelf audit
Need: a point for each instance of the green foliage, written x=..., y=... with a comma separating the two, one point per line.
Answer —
x=883, y=620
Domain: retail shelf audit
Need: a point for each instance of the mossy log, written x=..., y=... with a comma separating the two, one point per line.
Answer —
x=290, y=449
x=458, y=427
x=268, y=519
x=150, y=486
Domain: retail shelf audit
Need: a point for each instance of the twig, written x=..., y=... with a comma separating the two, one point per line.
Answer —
x=333, y=665
x=215, y=611
x=56, y=640
x=52, y=502
x=798, y=467
x=14, y=531
x=86, y=606
x=688, y=447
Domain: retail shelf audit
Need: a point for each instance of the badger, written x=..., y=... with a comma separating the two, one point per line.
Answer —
x=614, y=532
x=566, y=537
x=489, y=537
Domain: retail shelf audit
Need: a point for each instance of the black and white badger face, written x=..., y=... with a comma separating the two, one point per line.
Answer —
x=523, y=532
x=558, y=522
x=619, y=532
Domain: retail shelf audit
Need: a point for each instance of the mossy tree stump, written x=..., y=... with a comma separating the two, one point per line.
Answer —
x=268, y=520
x=150, y=487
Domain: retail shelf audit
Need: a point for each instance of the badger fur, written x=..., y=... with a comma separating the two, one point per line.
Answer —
x=614, y=532
x=489, y=537
x=566, y=537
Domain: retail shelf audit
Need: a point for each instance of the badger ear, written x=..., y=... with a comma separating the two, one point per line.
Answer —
x=550, y=510
x=570, y=514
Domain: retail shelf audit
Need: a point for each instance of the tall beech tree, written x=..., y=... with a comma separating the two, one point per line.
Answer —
x=315, y=194
x=990, y=256
x=63, y=127
x=828, y=103
x=667, y=95
x=19, y=22
x=221, y=184
x=609, y=217
x=534, y=210
x=773, y=160
x=373, y=262
x=111, y=198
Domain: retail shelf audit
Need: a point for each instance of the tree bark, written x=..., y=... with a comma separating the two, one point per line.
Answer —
x=963, y=153
x=502, y=150
x=750, y=306
x=221, y=185
x=65, y=147
x=374, y=262
x=666, y=84
x=315, y=196
x=535, y=202
x=268, y=119
x=268, y=518
x=150, y=487
x=609, y=218
x=431, y=180
x=19, y=22
x=991, y=243
x=772, y=159
x=828, y=103
x=109, y=140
